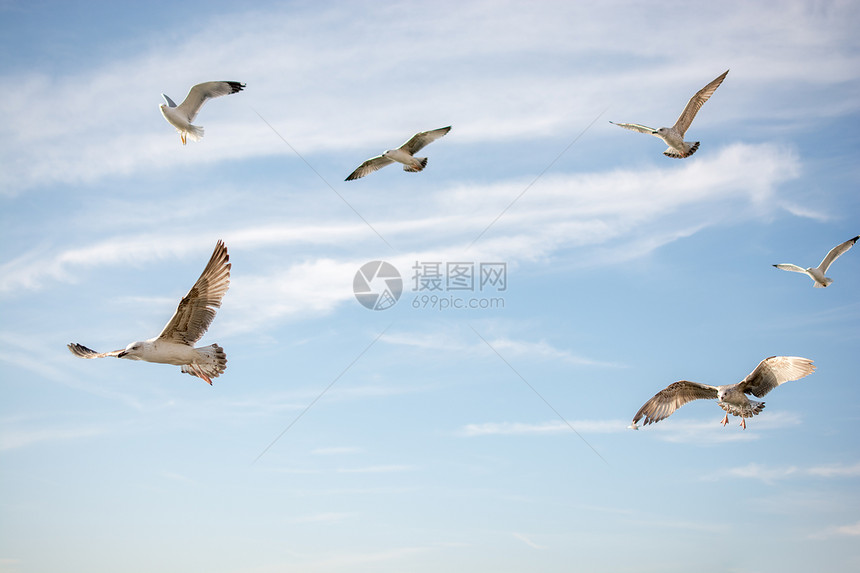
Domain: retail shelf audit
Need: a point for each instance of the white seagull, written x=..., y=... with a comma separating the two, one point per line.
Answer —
x=403, y=154
x=770, y=373
x=674, y=136
x=817, y=273
x=180, y=116
x=175, y=344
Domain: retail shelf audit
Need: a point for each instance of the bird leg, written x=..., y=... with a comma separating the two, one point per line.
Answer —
x=182, y=136
x=725, y=419
x=743, y=423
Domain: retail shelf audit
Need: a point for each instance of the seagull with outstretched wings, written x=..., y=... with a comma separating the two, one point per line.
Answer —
x=175, y=344
x=674, y=136
x=817, y=273
x=770, y=373
x=180, y=116
x=404, y=154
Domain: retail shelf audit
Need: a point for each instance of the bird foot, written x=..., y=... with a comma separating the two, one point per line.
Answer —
x=725, y=420
x=182, y=136
x=743, y=423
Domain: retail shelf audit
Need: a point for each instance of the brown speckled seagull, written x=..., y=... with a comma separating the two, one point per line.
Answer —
x=770, y=373
x=175, y=344
x=674, y=136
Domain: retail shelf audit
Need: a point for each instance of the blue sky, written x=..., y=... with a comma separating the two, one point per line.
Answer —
x=436, y=439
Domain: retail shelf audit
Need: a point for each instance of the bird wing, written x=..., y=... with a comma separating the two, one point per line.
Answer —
x=169, y=101
x=675, y=395
x=197, y=309
x=205, y=91
x=369, y=166
x=421, y=140
x=790, y=267
x=835, y=252
x=695, y=104
x=773, y=371
x=636, y=127
x=82, y=351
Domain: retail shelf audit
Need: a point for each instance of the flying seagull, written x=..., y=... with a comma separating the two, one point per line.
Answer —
x=403, y=154
x=817, y=273
x=175, y=344
x=674, y=136
x=770, y=373
x=180, y=116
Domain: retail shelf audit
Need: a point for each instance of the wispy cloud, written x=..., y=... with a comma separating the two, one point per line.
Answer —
x=11, y=439
x=528, y=541
x=543, y=428
x=772, y=474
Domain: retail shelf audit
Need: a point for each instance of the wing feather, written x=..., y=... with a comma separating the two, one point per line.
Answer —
x=200, y=93
x=636, y=127
x=773, y=371
x=675, y=395
x=369, y=166
x=695, y=104
x=197, y=308
x=790, y=267
x=835, y=253
x=422, y=139
x=82, y=351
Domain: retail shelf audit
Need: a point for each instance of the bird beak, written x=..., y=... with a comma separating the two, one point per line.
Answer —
x=121, y=354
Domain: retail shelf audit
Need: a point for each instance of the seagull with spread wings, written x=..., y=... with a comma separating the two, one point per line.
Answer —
x=404, y=154
x=770, y=373
x=180, y=116
x=175, y=344
x=674, y=136
x=817, y=273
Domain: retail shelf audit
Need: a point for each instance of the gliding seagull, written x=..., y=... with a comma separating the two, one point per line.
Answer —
x=674, y=136
x=403, y=154
x=817, y=274
x=770, y=373
x=180, y=116
x=175, y=344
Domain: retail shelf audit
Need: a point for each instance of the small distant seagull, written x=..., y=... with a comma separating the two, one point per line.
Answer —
x=817, y=274
x=674, y=136
x=770, y=373
x=182, y=115
x=175, y=344
x=403, y=154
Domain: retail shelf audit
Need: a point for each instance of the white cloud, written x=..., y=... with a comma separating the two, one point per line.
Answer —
x=554, y=427
x=297, y=81
x=772, y=474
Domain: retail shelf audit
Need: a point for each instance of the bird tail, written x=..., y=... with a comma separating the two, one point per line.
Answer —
x=747, y=411
x=195, y=132
x=691, y=149
x=422, y=163
x=211, y=362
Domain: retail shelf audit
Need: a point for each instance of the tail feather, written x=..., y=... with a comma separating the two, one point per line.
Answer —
x=211, y=362
x=422, y=163
x=194, y=132
x=676, y=154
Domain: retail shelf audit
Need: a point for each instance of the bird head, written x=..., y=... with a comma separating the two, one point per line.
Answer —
x=132, y=352
x=661, y=131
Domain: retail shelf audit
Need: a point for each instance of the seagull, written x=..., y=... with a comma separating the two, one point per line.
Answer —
x=182, y=115
x=770, y=373
x=817, y=273
x=175, y=344
x=674, y=136
x=403, y=154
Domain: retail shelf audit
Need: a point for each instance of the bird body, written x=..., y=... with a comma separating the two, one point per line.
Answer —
x=175, y=344
x=817, y=274
x=180, y=116
x=770, y=373
x=674, y=136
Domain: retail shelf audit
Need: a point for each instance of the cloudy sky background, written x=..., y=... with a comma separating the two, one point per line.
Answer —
x=457, y=440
